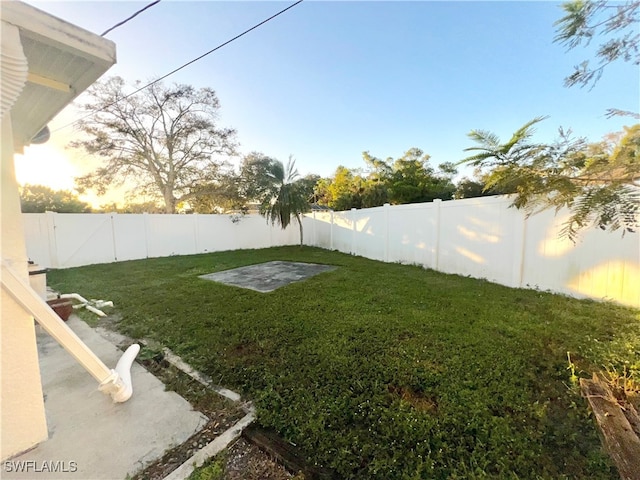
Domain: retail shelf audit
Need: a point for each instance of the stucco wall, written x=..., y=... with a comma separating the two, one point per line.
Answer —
x=21, y=402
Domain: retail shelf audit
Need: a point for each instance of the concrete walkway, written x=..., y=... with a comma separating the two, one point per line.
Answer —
x=89, y=436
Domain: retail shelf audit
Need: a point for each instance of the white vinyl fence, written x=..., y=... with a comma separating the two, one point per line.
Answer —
x=484, y=238
x=478, y=237
x=63, y=240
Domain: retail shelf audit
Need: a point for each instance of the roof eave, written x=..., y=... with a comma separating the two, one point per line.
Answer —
x=64, y=60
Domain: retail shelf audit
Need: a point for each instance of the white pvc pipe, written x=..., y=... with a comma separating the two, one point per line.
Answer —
x=75, y=296
x=100, y=313
x=111, y=381
x=123, y=368
x=85, y=303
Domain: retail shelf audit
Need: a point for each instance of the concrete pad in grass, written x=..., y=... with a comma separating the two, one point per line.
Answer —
x=266, y=277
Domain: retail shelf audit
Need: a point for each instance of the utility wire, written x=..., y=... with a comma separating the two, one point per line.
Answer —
x=131, y=17
x=182, y=66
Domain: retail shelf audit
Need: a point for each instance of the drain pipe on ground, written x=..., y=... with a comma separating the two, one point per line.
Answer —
x=85, y=303
x=116, y=382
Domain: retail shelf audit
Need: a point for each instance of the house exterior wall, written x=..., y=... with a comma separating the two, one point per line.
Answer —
x=23, y=422
x=45, y=63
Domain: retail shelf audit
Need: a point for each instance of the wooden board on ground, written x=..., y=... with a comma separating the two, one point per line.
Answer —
x=620, y=439
x=285, y=453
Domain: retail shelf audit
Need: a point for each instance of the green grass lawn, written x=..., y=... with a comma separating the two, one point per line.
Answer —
x=384, y=370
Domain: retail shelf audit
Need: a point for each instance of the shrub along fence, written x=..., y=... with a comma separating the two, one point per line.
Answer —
x=478, y=237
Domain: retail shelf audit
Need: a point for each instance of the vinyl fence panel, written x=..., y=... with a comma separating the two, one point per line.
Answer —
x=60, y=240
x=412, y=234
x=38, y=238
x=370, y=232
x=81, y=239
x=129, y=237
x=601, y=265
x=480, y=237
x=486, y=238
x=477, y=238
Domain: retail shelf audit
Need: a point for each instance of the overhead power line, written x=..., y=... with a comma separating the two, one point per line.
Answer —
x=182, y=66
x=216, y=48
x=131, y=17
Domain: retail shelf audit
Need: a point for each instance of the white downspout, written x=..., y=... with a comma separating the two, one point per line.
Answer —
x=116, y=383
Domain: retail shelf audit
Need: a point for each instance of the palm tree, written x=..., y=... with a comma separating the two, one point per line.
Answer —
x=597, y=182
x=517, y=149
x=285, y=198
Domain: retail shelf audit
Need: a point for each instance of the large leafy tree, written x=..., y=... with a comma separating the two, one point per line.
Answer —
x=345, y=190
x=308, y=185
x=255, y=176
x=39, y=199
x=286, y=197
x=615, y=24
x=477, y=187
x=408, y=179
x=598, y=182
x=232, y=190
x=132, y=207
x=222, y=194
x=236, y=191
x=413, y=180
x=164, y=139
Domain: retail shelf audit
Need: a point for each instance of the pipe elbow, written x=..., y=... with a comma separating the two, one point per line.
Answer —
x=119, y=384
x=123, y=369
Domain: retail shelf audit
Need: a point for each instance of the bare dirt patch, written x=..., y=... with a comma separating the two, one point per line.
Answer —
x=420, y=401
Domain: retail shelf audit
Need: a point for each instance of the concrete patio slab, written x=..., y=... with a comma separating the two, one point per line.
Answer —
x=266, y=277
x=90, y=437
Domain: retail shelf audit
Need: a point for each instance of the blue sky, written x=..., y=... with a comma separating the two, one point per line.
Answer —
x=327, y=80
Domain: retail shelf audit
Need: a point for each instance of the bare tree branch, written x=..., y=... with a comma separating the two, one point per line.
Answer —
x=165, y=136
